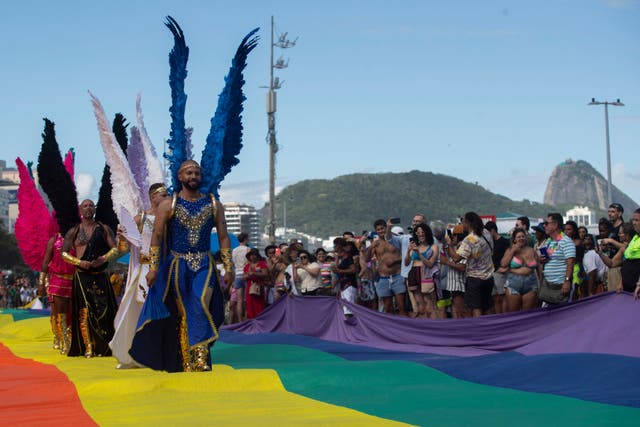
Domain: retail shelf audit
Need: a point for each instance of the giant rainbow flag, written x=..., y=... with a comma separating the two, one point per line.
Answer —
x=303, y=362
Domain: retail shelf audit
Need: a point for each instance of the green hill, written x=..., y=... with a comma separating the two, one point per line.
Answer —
x=352, y=202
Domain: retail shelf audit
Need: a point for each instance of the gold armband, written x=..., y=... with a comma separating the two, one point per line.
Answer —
x=112, y=254
x=122, y=245
x=70, y=259
x=42, y=278
x=225, y=254
x=154, y=257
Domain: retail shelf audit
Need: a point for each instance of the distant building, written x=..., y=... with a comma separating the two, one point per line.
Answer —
x=582, y=215
x=243, y=218
x=5, y=199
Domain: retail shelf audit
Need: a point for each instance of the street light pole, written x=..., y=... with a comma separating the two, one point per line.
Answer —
x=606, y=104
x=274, y=84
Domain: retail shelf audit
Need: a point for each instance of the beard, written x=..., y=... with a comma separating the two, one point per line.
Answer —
x=192, y=185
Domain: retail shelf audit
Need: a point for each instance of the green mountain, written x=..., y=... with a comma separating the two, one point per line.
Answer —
x=352, y=202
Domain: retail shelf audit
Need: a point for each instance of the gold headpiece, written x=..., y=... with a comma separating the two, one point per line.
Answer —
x=188, y=163
x=161, y=189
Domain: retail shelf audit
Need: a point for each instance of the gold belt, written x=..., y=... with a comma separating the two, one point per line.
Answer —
x=145, y=259
x=193, y=259
x=63, y=276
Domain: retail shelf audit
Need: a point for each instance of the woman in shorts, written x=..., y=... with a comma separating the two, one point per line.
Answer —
x=520, y=263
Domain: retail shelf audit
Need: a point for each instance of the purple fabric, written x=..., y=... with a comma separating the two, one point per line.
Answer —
x=606, y=323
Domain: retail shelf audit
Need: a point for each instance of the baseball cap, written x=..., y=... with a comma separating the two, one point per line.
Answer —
x=397, y=230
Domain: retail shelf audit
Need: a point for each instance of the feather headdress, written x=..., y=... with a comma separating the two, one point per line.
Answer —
x=35, y=224
x=127, y=194
x=56, y=181
x=104, y=208
x=177, y=142
x=225, y=137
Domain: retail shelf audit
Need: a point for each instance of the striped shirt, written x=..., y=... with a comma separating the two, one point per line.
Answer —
x=558, y=251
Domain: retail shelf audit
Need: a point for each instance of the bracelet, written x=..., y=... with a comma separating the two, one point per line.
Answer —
x=154, y=258
x=42, y=278
x=70, y=259
x=112, y=254
x=122, y=245
x=225, y=254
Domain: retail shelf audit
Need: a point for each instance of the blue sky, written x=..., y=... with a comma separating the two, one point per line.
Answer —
x=493, y=92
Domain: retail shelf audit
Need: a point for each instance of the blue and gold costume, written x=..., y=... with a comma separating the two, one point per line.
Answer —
x=183, y=311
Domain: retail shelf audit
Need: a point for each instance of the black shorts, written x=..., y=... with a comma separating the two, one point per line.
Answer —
x=477, y=293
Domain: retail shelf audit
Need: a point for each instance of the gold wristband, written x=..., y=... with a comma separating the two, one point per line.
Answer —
x=225, y=255
x=70, y=259
x=112, y=254
x=154, y=257
x=42, y=278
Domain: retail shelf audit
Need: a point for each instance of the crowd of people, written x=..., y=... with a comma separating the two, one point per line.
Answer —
x=436, y=272
x=17, y=292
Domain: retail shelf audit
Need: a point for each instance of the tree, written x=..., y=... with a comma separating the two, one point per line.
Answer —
x=10, y=256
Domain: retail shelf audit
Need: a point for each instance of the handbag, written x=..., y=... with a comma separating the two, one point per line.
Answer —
x=552, y=293
x=254, y=289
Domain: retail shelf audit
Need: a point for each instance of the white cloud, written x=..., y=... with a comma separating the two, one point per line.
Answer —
x=84, y=185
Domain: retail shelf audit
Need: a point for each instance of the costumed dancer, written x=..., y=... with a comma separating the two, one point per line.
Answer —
x=130, y=175
x=38, y=231
x=93, y=303
x=184, y=308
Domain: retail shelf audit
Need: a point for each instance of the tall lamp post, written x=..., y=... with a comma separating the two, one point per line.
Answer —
x=274, y=84
x=606, y=104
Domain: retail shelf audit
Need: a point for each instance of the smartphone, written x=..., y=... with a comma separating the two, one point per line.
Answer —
x=394, y=220
x=411, y=240
x=543, y=251
x=449, y=233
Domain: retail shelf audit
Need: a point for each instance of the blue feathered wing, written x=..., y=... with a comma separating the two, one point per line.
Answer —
x=177, y=143
x=225, y=137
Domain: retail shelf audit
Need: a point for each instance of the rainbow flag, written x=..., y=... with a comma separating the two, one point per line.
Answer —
x=302, y=362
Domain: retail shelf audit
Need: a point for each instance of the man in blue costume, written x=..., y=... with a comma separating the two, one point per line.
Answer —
x=184, y=308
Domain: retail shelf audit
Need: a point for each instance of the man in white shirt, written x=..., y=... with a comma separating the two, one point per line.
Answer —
x=239, y=257
x=593, y=266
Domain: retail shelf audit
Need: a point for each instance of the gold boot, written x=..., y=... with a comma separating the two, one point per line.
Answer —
x=84, y=331
x=55, y=328
x=187, y=364
x=65, y=333
x=201, y=358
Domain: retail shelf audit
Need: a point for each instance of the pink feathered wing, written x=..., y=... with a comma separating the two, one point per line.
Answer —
x=35, y=224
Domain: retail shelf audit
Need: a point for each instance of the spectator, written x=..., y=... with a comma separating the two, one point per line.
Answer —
x=345, y=270
x=477, y=249
x=520, y=263
x=558, y=262
x=628, y=255
x=255, y=273
x=325, y=272
x=454, y=272
x=615, y=212
x=594, y=268
x=423, y=255
x=239, y=257
x=307, y=274
x=571, y=230
x=390, y=283
x=367, y=277
x=582, y=232
x=500, y=245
